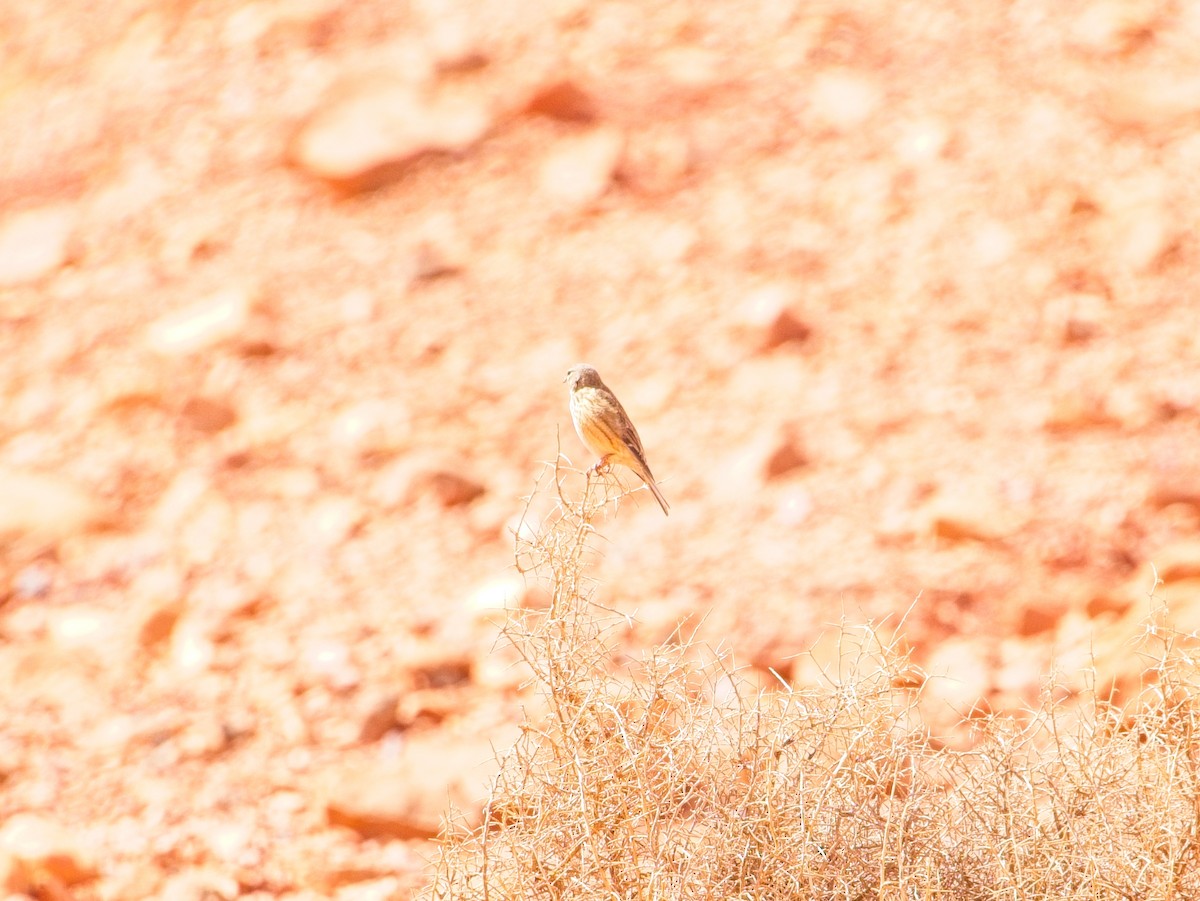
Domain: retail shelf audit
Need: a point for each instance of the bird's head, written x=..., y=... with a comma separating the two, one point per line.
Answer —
x=583, y=376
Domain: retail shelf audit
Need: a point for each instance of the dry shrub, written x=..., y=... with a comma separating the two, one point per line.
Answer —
x=668, y=777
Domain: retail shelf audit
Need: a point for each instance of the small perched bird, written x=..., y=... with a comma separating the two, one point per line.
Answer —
x=605, y=428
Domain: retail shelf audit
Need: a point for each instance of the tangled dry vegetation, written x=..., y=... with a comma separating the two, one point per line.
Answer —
x=670, y=776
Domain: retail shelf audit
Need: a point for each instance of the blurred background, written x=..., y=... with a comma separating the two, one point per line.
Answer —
x=901, y=297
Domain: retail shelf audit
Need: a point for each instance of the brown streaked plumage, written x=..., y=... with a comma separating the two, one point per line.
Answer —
x=605, y=428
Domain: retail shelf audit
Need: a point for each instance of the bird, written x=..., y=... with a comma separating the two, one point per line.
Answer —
x=606, y=429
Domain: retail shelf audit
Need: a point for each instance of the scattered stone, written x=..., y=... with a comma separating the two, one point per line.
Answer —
x=228, y=840
x=367, y=134
x=910, y=678
x=1113, y=27
x=564, y=100
x=155, y=586
x=992, y=243
x=385, y=888
x=667, y=620
x=1151, y=100
x=227, y=598
x=694, y=68
x=179, y=499
x=843, y=100
x=157, y=621
x=199, y=883
x=186, y=240
x=454, y=44
x=536, y=597
x=1105, y=602
x=499, y=668
x=395, y=485
x=794, y=507
x=405, y=480
x=922, y=141
x=15, y=879
x=358, y=305
x=333, y=519
x=493, y=602
x=1078, y=411
x=452, y=489
x=786, y=455
x=1078, y=316
x=330, y=663
x=379, y=718
x=34, y=243
x=960, y=525
x=44, y=509
x=290, y=483
x=1179, y=489
x=130, y=387
x=958, y=682
x=579, y=169
x=296, y=24
x=1109, y=646
x=207, y=531
x=524, y=526
x=45, y=848
x=1177, y=562
x=1019, y=672
x=441, y=249
x=405, y=798
x=424, y=709
x=130, y=879
x=438, y=667
x=671, y=243
x=216, y=320
x=1041, y=616
x=1182, y=597
x=1065, y=550
x=765, y=457
x=966, y=515
x=339, y=878
x=1139, y=235
x=768, y=317
x=656, y=160
x=192, y=650
x=430, y=261
x=379, y=426
x=138, y=183
x=33, y=581
x=204, y=739
x=1178, y=397
x=116, y=736
x=80, y=628
x=1128, y=404
x=208, y=415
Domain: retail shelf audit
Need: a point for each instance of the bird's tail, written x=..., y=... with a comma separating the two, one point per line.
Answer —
x=658, y=495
